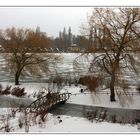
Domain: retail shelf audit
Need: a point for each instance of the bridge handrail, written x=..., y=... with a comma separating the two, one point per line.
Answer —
x=49, y=101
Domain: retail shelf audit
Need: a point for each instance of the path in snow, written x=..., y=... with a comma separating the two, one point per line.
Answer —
x=13, y=102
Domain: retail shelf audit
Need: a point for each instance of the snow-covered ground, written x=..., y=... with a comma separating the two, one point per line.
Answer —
x=71, y=124
x=74, y=124
x=101, y=98
x=66, y=124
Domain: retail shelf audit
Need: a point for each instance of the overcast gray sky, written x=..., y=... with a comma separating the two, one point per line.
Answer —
x=50, y=19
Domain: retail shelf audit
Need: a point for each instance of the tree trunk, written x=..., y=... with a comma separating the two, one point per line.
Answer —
x=112, y=84
x=17, y=78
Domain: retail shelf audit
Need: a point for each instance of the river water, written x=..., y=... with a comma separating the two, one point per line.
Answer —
x=120, y=114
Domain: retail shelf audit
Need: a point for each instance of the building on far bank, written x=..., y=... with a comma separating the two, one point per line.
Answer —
x=74, y=48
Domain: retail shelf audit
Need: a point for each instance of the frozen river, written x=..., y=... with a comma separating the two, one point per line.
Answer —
x=64, y=68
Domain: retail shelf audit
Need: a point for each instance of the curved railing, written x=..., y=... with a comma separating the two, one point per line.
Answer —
x=46, y=102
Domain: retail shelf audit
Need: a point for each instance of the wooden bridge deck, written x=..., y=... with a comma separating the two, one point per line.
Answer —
x=46, y=102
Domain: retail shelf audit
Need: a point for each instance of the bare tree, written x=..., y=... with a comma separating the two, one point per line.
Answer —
x=25, y=51
x=117, y=33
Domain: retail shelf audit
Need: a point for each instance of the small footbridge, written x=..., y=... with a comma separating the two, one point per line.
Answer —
x=47, y=102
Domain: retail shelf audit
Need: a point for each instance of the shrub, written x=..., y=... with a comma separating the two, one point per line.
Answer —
x=18, y=92
x=58, y=80
x=90, y=81
x=113, y=119
x=6, y=91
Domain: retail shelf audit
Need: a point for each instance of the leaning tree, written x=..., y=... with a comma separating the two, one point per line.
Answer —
x=26, y=52
x=114, y=36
